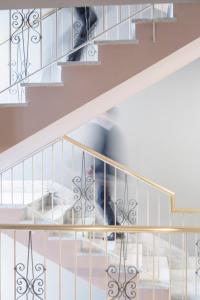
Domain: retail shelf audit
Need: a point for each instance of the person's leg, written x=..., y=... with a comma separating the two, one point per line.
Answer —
x=88, y=18
x=109, y=210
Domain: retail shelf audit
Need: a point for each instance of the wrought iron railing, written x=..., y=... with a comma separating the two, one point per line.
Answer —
x=81, y=262
x=60, y=184
x=38, y=40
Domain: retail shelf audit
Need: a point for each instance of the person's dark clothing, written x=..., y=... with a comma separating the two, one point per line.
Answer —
x=108, y=144
x=88, y=18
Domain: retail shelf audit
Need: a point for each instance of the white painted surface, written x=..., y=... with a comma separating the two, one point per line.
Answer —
x=161, y=126
x=113, y=97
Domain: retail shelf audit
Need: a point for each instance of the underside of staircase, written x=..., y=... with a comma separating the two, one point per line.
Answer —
x=83, y=83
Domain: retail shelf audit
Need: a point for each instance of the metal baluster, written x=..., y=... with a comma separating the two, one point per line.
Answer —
x=115, y=198
x=106, y=262
x=52, y=182
x=137, y=262
x=90, y=265
x=72, y=24
x=158, y=243
x=42, y=182
x=10, y=50
x=137, y=200
x=148, y=207
x=103, y=13
x=129, y=22
x=14, y=260
x=170, y=213
x=1, y=186
x=23, y=184
x=75, y=273
x=183, y=264
x=0, y=266
x=118, y=20
x=106, y=21
x=62, y=177
x=186, y=259
x=73, y=173
x=11, y=185
x=56, y=33
x=105, y=190
x=153, y=259
x=41, y=40
x=196, y=265
x=45, y=239
x=60, y=266
x=154, y=25
x=33, y=204
x=170, y=264
x=94, y=191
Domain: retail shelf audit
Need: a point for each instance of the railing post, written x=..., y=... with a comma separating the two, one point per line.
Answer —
x=154, y=25
x=10, y=49
x=41, y=40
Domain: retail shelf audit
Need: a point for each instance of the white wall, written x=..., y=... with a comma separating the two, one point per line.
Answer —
x=162, y=128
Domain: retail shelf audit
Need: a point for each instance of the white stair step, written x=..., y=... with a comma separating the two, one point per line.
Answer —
x=78, y=63
x=156, y=20
x=42, y=84
x=10, y=104
x=116, y=42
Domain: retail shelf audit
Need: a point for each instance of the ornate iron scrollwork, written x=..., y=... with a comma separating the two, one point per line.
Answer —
x=77, y=28
x=24, y=27
x=122, y=278
x=83, y=191
x=126, y=208
x=197, y=272
x=29, y=277
x=21, y=20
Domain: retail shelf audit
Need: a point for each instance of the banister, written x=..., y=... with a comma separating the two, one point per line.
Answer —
x=98, y=228
x=123, y=168
x=88, y=42
x=119, y=166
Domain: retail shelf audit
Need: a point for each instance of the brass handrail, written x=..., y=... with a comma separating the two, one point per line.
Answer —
x=98, y=228
x=128, y=171
x=119, y=166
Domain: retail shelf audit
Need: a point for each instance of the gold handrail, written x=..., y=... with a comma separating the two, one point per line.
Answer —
x=128, y=171
x=119, y=166
x=98, y=228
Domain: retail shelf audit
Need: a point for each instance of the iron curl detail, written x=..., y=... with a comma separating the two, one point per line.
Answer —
x=121, y=284
x=29, y=279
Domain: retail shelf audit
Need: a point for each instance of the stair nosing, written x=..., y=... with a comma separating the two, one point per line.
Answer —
x=10, y=104
x=78, y=63
x=156, y=20
x=115, y=42
x=42, y=84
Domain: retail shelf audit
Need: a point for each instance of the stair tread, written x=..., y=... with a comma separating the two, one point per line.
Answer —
x=78, y=63
x=114, y=42
x=156, y=20
x=42, y=84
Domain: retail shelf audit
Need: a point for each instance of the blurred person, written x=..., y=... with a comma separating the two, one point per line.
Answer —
x=109, y=142
x=88, y=19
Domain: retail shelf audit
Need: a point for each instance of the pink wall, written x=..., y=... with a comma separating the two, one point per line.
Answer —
x=84, y=83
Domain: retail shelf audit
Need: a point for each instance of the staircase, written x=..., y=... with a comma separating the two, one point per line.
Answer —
x=96, y=81
x=54, y=238
x=160, y=262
